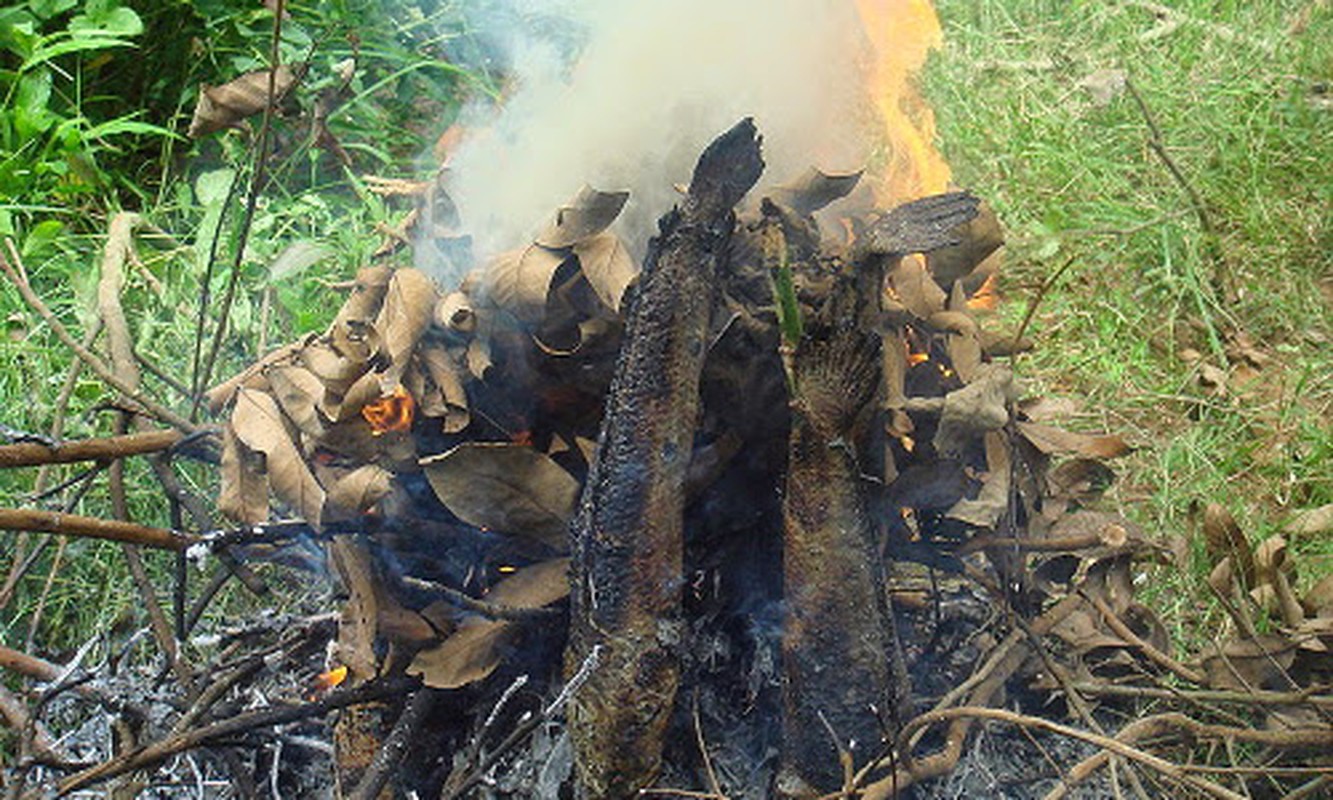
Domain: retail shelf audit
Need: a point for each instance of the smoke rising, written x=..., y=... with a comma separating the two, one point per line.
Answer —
x=624, y=95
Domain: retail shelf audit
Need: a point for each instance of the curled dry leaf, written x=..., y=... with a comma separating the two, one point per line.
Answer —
x=1223, y=539
x=608, y=267
x=259, y=425
x=976, y=408
x=476, y=646
x=227, y=105
x=519, y=281
x=408, y=308
x=911, y=286
x=368, y=290
x=251, y=377
x=587, y=214
x=505, y=487
x=1057, y=441
x=814, y=189
x=454, y=312
x=357, y=491
x=1312, y=522
x=244, y=494
x=444, y=395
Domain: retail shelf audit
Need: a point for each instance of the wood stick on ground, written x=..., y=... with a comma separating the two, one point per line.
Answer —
x=30, y=519
x=13, y=269
x=1167, y=769
x=32, y=454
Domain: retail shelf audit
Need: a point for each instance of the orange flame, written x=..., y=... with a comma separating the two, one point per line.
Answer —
x=393, y=412
x=986, y=297
x=900, y=34
x=325, y=681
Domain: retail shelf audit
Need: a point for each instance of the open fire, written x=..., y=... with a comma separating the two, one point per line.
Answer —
x=712, y=485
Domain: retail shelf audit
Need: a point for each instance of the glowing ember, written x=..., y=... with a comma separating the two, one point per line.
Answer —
x=901, y=33
x=392, y=412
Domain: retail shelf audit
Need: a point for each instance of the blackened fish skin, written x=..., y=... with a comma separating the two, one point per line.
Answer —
x=627, y=534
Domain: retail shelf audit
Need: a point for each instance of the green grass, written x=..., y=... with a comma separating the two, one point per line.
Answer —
x=1239, y=104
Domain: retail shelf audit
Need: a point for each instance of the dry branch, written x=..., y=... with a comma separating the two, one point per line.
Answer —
x=26, y=519
x=32, y=454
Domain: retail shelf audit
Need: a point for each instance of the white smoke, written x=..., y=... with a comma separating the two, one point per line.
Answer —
x=649, y=84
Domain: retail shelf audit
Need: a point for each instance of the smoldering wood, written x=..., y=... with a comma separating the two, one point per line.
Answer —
x=627, y=535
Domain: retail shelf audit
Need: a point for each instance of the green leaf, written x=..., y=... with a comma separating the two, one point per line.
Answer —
x=46, y=9
x=30, y=115
x=211, y=188
x=40, y=239
x=18, y=32
x=49, y=49
x=105, y=18
x=125, y=125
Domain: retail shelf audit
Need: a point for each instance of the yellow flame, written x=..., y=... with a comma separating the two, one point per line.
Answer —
x=900, y=35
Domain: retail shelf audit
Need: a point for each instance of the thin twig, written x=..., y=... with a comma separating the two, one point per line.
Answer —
x=1045, y=287
x=205, y=371
x=483, y=607
x=13, y=269
x=31, y=454
x=31, y=519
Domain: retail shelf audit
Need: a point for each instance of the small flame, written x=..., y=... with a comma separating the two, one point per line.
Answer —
x=901, y=33
x=332, y=679
x=985, y=298
x=393, y=412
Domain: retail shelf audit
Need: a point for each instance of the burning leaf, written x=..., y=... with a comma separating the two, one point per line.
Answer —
x=608, y=267
x=259, y=425
x=298, y=392
x=1056, y=441
x=408, y=308
x=505, y=487
x=244, y=495
x=331, y=679
x=587, y=214
x=476, y=647
x=226, y=105
x=392, y=412
x=814, y=189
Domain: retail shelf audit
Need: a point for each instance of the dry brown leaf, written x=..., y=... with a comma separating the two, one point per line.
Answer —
x=505, y=487
x=1318, y=602
x=1222, y=538
x=587, y=214
x=227, y=105
x=454, y=312
x=244, y=493
x=259, y=425
x=912, y=286
x=608, y=267
x=359, y=626
x=368, y=290
x=519, y=281
x=299, y=393
x=1056, y=441
x=476, y=646
x=358, y=490
x=993, y=500
x=1048, y=409
x=1244, y=664
x=1312, y=522
x=976, y=408
x=814, y=189
x=449, y=400
x=409, y=306
x=251, y=377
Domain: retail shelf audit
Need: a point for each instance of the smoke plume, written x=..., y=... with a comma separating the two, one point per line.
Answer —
x=624, y=95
